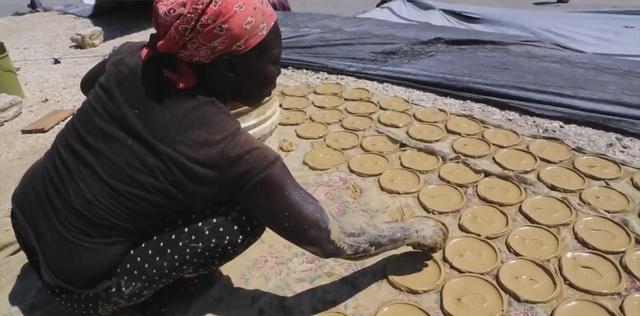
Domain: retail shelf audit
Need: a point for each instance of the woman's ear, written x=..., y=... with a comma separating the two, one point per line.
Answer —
x=220, y=70
x=230, y=68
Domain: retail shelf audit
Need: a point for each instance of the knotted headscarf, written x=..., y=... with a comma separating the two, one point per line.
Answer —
x=199, y=31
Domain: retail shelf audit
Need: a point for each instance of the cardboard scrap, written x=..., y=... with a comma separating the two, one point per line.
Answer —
x=47, y=122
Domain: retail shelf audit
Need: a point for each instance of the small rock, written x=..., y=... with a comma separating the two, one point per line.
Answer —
x=287, y=145
x=89, y=38
x=7, y=101
x=10, y=107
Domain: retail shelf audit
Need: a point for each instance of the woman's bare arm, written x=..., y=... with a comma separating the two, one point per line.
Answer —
x=285, y=207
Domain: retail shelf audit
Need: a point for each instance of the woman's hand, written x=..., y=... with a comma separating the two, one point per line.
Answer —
x=431, y=234
x=279, y=202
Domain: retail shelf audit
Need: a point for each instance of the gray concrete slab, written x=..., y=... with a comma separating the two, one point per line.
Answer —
x=572, y=5
x=354, y=7
x=552, y=4
x=337, y=7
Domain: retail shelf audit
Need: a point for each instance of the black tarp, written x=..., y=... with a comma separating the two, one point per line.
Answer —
x=509, y=71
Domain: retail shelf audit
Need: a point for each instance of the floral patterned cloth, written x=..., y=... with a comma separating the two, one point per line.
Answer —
x=199, y=31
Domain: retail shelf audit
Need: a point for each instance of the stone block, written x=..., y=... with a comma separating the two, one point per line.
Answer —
x=10, y=107
x=89, y=38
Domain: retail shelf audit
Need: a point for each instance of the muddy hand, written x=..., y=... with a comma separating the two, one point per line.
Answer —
x=431, y=235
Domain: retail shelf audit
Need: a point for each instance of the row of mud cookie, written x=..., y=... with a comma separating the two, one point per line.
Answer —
x=489, y=208
x=555, y=176
x=507, y=148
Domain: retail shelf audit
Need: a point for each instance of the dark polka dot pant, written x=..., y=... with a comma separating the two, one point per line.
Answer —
x=199, y=245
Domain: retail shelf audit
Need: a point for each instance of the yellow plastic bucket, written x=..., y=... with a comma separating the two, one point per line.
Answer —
x=9, y=83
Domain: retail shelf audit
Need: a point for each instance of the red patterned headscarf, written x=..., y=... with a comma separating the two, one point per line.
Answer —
x=199, y=31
